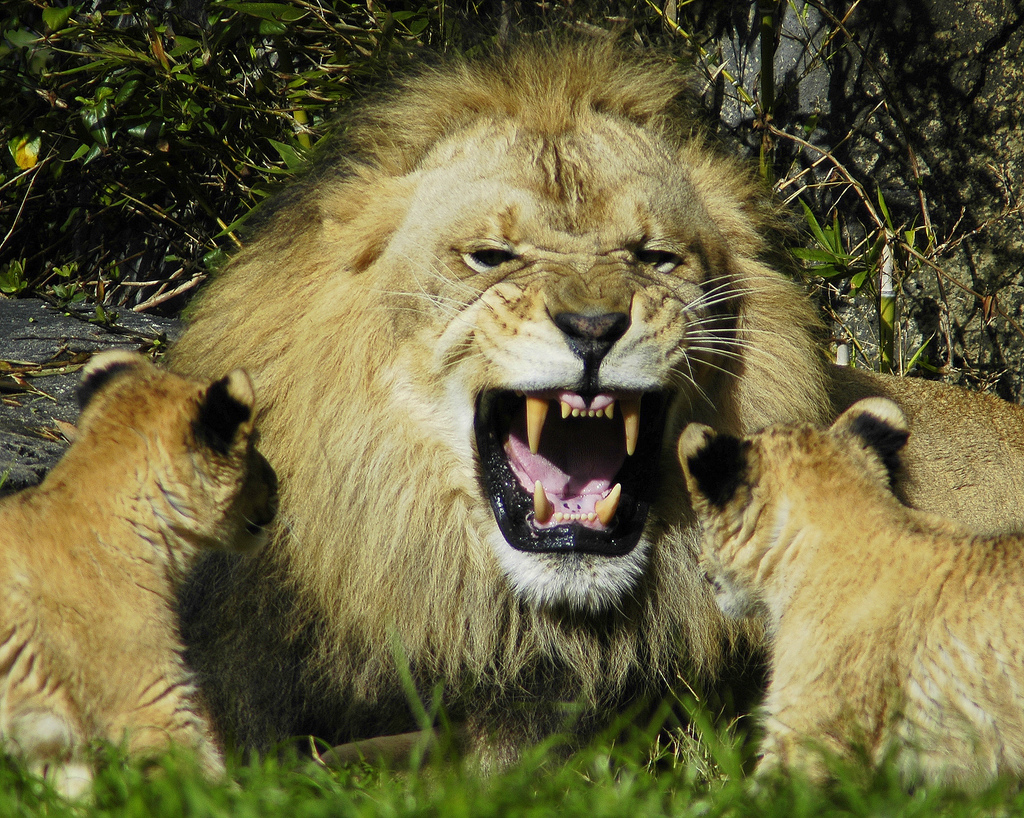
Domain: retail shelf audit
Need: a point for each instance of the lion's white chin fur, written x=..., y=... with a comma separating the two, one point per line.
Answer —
x=585, y=582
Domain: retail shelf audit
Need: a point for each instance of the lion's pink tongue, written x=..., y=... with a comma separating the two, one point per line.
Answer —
x=576, y=461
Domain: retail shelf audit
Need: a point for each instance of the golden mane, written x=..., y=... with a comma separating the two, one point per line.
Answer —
x=386, y=537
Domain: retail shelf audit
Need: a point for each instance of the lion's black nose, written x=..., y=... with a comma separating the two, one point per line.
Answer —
x=591, y=336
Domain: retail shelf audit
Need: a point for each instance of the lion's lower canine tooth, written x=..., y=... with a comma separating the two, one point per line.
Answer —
x=607, y=507
x=542, y=508
x=631, y=420
x=536, y=413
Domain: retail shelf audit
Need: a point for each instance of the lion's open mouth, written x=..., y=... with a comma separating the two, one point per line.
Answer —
x=568, y=473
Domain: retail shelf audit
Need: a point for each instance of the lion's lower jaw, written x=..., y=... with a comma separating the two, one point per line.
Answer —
x=586, y=582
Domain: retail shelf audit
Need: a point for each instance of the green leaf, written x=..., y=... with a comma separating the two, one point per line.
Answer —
x=885, y=209
x=812, y=222
x=147, y=131
x=92, y=153
x=836, y=237
x=214, y=259
x=875, y=252
x=22, y=37
x=12, y=278
x=126, y=91
x=272, y=28
x=417, y=27
x=289, y=155
x=265, y=11
x=183, y=45
x=103, y=317
x=57, y=18
x=857, y=281
x=810, y=254
x=96, y=118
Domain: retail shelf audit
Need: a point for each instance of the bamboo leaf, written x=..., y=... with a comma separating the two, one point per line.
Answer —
x=812, y=222
x=810, y=254
x=289, y=155
x=885, y=210
x=875, y=252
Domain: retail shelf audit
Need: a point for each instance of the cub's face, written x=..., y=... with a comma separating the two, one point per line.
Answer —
x=754, y=496
x=573, y=293
x=191, y=445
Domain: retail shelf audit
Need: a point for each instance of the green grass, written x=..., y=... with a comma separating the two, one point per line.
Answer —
x=607, y=780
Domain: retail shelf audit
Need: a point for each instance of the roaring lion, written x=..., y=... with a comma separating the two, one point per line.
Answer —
x=893, y=632
x=161, y=468
x=480, y=324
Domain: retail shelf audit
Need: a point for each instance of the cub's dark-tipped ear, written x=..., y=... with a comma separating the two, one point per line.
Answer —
x=881, y=427
x=102, y=368
x=226, y=409
x=715, y=464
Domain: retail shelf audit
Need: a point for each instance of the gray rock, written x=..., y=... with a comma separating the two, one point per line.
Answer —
x=41, y=351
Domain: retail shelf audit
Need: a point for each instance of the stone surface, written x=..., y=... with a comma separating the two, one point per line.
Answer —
x=41, y=351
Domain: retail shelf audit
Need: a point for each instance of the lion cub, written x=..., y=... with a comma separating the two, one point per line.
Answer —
x=892, y=631
x=91, y=559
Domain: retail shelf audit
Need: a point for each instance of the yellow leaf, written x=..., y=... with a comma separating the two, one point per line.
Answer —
x=26, y=152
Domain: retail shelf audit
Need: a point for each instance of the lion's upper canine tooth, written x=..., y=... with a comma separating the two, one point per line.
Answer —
x=536, y=413
x=607, y=506
x=542, y=508
x=631, y=420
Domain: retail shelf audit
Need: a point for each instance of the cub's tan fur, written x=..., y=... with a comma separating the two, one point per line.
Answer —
x=892, y=630
x=427, y=270
x=92, y=558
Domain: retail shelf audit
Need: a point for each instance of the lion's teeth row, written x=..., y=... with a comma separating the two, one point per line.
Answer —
x=604, y=509
x=607, y=412
x=537, y=412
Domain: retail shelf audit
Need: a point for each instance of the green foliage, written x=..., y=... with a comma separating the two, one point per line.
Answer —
x=12, y=277
x=136, y=137
x=609, y=780
x=831, y=258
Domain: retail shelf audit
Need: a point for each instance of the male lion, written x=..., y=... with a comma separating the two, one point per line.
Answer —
x=891, y=630
x=480, y=325
x=92, y=558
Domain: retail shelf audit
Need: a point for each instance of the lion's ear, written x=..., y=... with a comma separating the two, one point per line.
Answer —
x=715, y=464
x=880, y=426
x=103, y=368
x=226, y=411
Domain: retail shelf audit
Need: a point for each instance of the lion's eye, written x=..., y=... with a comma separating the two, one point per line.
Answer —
x=488, y=258
x=663, y=261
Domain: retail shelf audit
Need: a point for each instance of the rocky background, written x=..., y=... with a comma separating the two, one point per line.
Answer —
x=892, y=131
x=43, y=349
x=918, y=103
